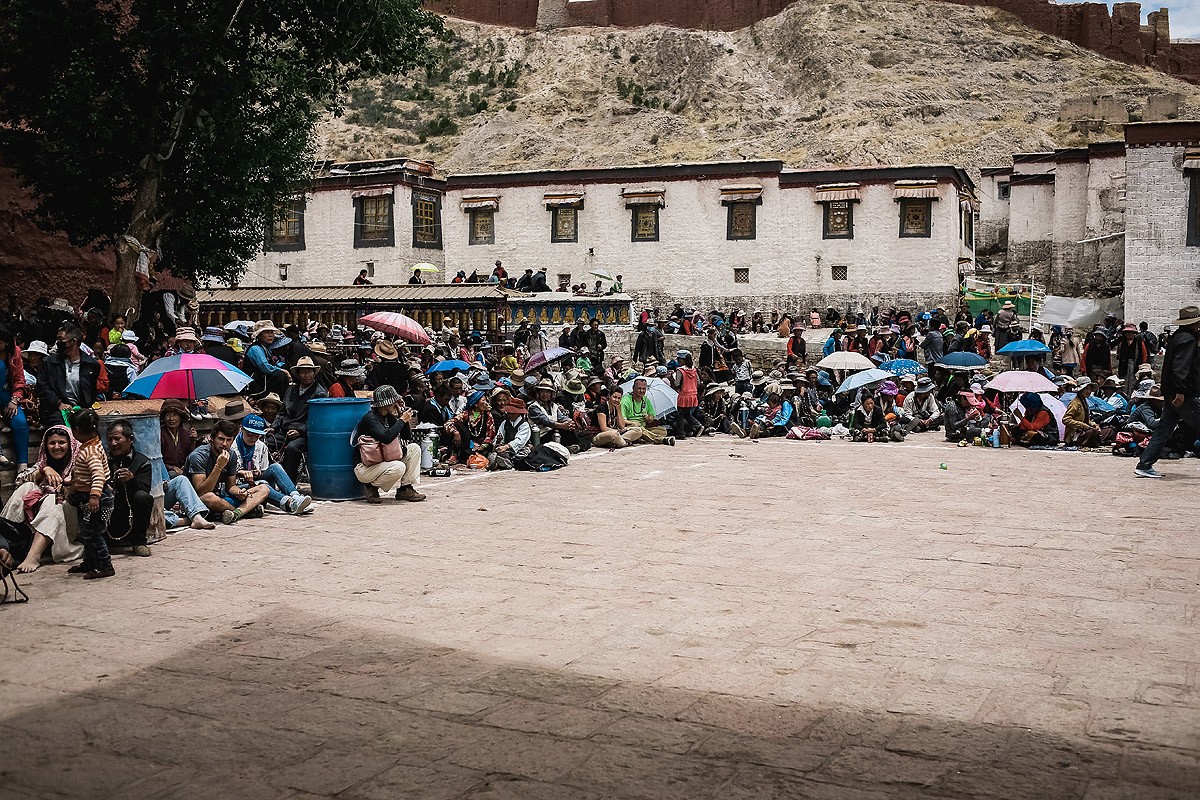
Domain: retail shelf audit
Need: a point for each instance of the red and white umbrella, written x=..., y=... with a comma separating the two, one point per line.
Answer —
x=397, y=325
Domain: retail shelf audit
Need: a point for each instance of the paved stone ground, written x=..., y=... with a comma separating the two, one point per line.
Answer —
x=721, y=620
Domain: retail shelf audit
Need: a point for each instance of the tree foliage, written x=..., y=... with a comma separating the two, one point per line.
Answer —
x=184, y=122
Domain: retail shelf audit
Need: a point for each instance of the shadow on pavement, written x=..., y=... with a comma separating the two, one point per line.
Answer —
x=295, y=705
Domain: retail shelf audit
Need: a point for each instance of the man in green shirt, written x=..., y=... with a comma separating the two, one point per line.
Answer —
x=637, y=409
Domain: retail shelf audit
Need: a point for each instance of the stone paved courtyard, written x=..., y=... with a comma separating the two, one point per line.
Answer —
x=722, y=620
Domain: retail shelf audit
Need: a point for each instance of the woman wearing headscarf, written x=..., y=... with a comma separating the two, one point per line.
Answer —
x=1036, y=425
x=38, y=501
x=471, y=430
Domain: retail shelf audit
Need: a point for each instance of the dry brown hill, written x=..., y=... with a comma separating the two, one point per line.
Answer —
x=851, y=83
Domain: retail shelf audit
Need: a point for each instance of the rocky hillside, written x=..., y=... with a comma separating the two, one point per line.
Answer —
x=848, y=83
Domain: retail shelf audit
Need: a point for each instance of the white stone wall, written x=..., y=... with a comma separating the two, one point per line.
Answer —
x=1031, y=230
x=1162, y=273
x=992, y=236
x=694, y=261
x=330, y=258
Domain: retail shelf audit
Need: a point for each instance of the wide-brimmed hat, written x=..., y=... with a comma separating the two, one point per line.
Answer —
x=1147, y=369
x=574, y=386
x=214, y=335
x=1082, y=382
x=234, y=410
x=305, y=362
x=271, y=398
x=758, y=378
x=592, y=381
x=786, y=385
x=1129, y=328
x=61, y=304
x=483, y=384
x=985, y=329
x=924, y=386
x=186, y=335
x=385, y=395
x=1188, y=315
x=515, y=406
x=716, y=388
x=1008, y=304
x=386, y=350
x=1112, y=380
x=262, y=326
x=351, y=368
x=317, y=346
x=617, y=359
x=129, y=336
x=186, y=292
x=37, y=346
x=908, y=379
x=253, y=423
x=177, y=406
x=500, y=390
x=517, y=376
x=544, y=383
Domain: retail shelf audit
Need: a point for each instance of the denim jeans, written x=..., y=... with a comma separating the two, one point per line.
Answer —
x=180, y=490
x=93, y=527
x=276, y=479
x=1188, y=413
x=20, y=429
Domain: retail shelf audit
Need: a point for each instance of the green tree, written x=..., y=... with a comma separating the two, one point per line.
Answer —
x=180, y=125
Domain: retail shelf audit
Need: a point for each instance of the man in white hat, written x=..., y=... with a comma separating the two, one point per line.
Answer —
x=1180, y=389
x=294, y=415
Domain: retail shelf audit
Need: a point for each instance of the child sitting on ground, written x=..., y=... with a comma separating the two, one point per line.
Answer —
x=91, y=495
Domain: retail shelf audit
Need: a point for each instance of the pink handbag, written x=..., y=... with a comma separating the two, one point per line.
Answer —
x=372, y=452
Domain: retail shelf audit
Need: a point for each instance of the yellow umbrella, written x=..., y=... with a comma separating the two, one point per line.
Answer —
x=425, y=266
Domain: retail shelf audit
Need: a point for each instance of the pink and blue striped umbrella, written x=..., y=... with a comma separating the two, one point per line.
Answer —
x=188, y=376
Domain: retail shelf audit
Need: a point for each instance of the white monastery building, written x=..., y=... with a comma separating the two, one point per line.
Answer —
x=1091, y=221
x=748, y=234
x=1162, y=219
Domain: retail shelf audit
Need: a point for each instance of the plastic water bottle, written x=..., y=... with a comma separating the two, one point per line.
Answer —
x=996, y=438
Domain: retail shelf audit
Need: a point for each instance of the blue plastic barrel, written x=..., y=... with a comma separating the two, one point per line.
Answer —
x=331, y=420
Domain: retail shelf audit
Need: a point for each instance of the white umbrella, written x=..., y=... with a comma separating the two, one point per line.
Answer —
x=844, y=359
x=603, y=274
x=1016, y=380
x=662, y=397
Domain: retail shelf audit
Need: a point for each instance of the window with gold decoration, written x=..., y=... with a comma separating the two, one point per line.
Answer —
x=483, y=227
x=838, y=222
x=916, y=218
x=645, y=223
x=427, y=220
x=741, y=220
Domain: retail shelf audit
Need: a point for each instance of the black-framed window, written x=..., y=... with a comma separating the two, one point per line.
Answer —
x=287, y=227
x=839, y=272
x=741, y=219
x=373, y=221
x=1193, y=219
x=741, y=274
x=837, y=219
x=644, y=218
x=483, y=226
x=427, y=220
x=916, y=218
x=564, y=223
x=967, y=215
x=1003, y=191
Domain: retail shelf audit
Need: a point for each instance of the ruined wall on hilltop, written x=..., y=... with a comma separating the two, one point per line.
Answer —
x=1118, y=35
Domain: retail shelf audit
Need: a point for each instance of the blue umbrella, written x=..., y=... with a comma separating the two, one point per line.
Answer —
x=962, y=361
x=903, y=366
x=449, y=365
x=864, y=378
x=1024, y=347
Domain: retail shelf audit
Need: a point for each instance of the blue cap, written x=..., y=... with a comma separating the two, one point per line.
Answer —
x=254, y=424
